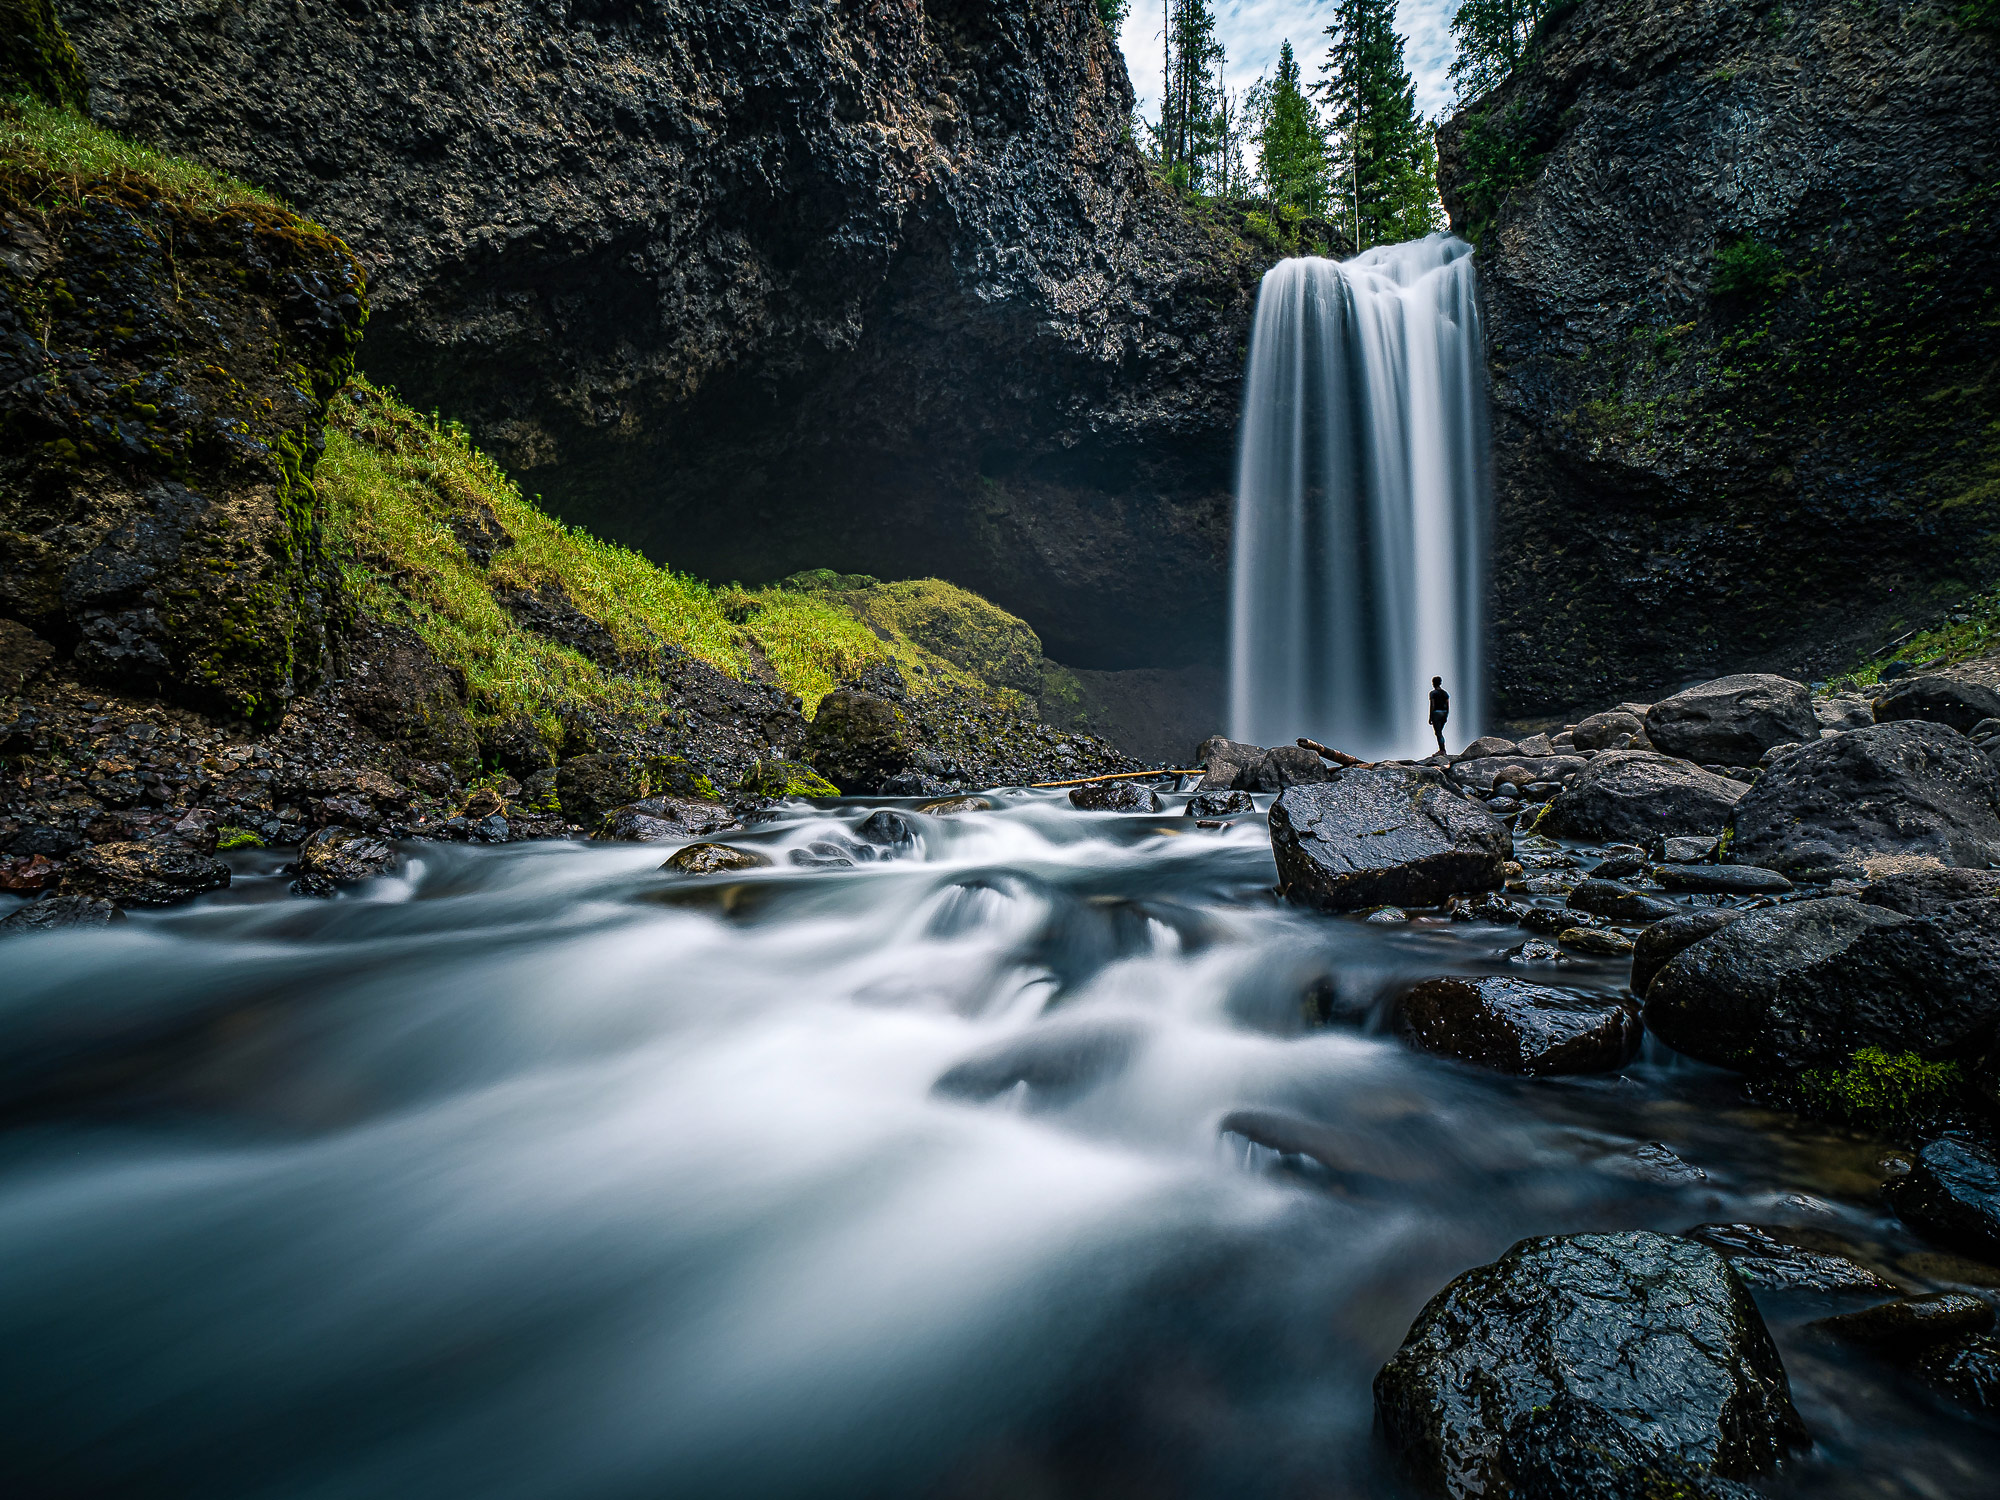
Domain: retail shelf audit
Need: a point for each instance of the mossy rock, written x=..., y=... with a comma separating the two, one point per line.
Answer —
x=785, y=778
x=1880, y=1088
x=36, y=57
x=976, y=636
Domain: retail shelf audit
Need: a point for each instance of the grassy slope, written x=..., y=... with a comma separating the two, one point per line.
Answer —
x=391, y=482
x=63, y=146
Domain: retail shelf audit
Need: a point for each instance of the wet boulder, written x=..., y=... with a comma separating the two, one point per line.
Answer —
x=1487, y=772
x=1767, y=1262
x=334, y=857
x=1657, y=945
x=1908, y=789
x=1384, y=836
x=54, y=913
x=1807, y=984
x=1931, y=892
x=1938, y=699
x=1842, y=712
x=1607, y=731
x=1219, y=804
x=1115, y=796
x=1967, y=1371
x=1288, y=765
x=1574, y=1363
x=952, y=806
x=1909, y=1324
x=859, y=740
x=661, y=820
x=714, y=859
x=589, y=787
x=1732, y=721
x=1952, y=1195
x=1723, y=880
x=1637, y=796
x=1519, y=1027
x=1607, y=898
x=1485, y=747
x=888, y=831
x=1226, y=763
x=160, y=873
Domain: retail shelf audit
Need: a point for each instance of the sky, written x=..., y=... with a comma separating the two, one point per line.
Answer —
x=1252, y=29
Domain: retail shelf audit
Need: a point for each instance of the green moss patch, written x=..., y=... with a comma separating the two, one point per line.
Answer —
x=36, y=59
x=1880, y=1088
x=71, y=159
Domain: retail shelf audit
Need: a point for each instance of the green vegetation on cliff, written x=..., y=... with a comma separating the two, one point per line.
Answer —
x=70, y=159
x=36, y=59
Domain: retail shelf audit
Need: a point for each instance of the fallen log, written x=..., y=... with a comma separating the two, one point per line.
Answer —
x=1338, y=757
x=1111, y=776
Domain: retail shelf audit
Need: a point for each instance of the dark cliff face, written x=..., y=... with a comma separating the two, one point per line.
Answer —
x=1742, y=302
x=759, y=286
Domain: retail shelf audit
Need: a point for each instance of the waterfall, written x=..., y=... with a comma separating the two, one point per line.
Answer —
x=1359, y=557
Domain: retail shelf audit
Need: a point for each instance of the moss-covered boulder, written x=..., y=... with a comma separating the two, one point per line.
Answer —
x=168, y=345
x=973, y=634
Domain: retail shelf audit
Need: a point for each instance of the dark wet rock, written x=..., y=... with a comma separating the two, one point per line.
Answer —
x=1296, y=1136
x=660, y=820
x=480, y=533
x=1732, y=720
x=1909, y=789
x=24, y=656
x=1384, y=835
x=1724, y=880
x=160, y=873
x=1638, y=796
x=910, y=784
x=1642, y=1344
x=395, y=685
x=1492, y=773
x=1607, y=731
x=1607, y=898
x=591, y=786
x=1226, y=763
x=1620, y=865
x=1288, y=765
x=1931, y=892
x=772, y=779
x=859, y=740
x=952, y=805
x=1051, y=1061
x=829, y=854
x=1910, y=1324
x=1519, y=1027
x=1385, y=915
x=1938, y=699
x=1843, y=711
x=1486, y=747
x=1768, y=1263
x=1685, y=850
x=1952, y=1196
x=516, y=746
x=1808, y=983
x=1536, y=954
x=1115, y=796
x=53, y=913
x=1503, y=806
x=1967, y=1371
x=1595, y=941
x=1651, y=1162
x=1575, y=1451
x=548, y=611
x=334, y=857
x=887, y=830
x=714, y=859
x=1219, y=804
x=1658, y=944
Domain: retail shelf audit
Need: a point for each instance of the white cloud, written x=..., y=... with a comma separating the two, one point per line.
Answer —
x=1252, y=29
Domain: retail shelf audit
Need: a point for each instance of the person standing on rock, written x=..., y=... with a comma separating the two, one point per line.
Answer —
x=1440, y=711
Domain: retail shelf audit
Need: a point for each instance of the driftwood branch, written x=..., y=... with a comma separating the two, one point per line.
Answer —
x=1113, y=776
x=1338, y=757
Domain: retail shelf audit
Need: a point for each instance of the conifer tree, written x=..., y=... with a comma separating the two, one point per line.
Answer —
x=1191, y=91
x=1493, y=37
x=1291, y=147
x=1384, y=160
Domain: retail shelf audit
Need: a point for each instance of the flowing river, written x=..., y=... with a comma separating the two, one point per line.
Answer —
x=538, y=1172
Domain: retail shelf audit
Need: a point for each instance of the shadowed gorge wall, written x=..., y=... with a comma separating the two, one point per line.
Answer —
x=1743, y=306
x=761, y=286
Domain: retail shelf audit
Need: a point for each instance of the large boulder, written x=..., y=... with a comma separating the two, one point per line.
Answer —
x=1379, y=835
x=1115, y=796
x=1938, y=699
x=160, y=873
x=1638, y=795
x=1226, y=763
x=1518, y=1027
x=333, y=857
x=1894, y=790
x=1732, y=721
x=1808, y=984
x=1952, y=1194
x=1612, y=730
x=1656, y=947
x=859, y=740
x=1644, y=1345
x=1287, y=765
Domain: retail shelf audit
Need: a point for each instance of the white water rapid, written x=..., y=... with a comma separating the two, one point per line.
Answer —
x=1359, y=565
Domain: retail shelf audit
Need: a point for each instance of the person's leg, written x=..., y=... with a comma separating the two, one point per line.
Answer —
x=1437, y=728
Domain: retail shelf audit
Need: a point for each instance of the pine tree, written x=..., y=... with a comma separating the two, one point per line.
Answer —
x=1291, y=148
x=1187, y=137
x=1112, y=14
x=1384, y=163
x=1493, y=37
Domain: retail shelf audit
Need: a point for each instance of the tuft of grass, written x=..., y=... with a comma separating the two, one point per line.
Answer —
x=65, y=155
x=1878, y=1088
x=1970, y=629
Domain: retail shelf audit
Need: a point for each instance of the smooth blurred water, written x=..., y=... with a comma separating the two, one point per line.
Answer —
x=539, y=1172
x=1358, y=569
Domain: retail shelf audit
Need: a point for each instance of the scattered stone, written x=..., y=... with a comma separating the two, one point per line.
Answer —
x=1902, y=789
x=1725, y=880
x=1504, y=807
x=161, y=873
x=1536, y=745
x=1638, y=796
x=714, y=859
x=1227, y=763
x=663, y=820
x=1606, y=731
x=1938, y=699
x=1595, y=941
x=1495, y=773
x=1910, y=1324
x=1968, y=1372
x=1535, y=953
x=859, y=740
x=333, y=857
x=53, y=913
x=1219, y=804
x=1619, y=864
x=887, y=830
x=951, y=805
x=1809, y=983
x=1686, y=850
x=1625, y=1351
x=1384, y=835
x=1115, y=796
x=1658, y=944
x=1519, y=1027
x=1733, y=720
x=1607, y=898
x=1487, y=746
x=1842, y=712
x=1952, y=1196
x=1767, y=1263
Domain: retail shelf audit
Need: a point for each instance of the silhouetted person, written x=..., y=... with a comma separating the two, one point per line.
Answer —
x=1440, y=711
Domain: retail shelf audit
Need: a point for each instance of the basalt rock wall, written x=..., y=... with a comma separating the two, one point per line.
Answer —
x=1742, y=294
x=763, y=284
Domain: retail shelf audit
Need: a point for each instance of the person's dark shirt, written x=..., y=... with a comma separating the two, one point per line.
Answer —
x=1440, y=701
